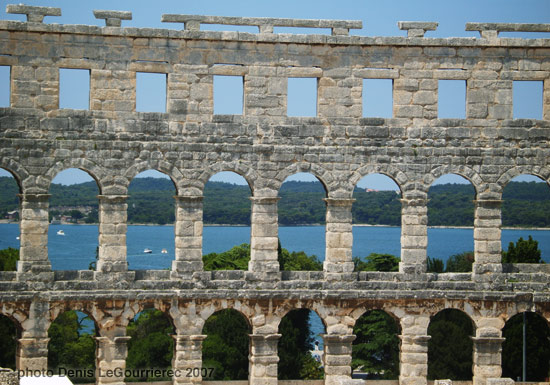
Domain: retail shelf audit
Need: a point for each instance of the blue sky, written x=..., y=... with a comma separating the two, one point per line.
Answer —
x=379, y=19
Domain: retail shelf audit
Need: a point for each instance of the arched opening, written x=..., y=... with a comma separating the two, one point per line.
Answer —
x=300, y=348
x=302, y=216
x=375, y=351
x=73, y=202
x=537, y=347
x=450, y=348
x=226, y=218
x=526, y=214
x=451, y=216
x=377, y=224
x=151, y=346
x=9, y=221
x=9, y=335
x=225, y=349
x=151, y=215
x=72, y=346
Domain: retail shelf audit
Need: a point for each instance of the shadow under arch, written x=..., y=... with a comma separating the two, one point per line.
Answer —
x=226, y=347
x=450, y=348
x=537, y=331
x=72, y=344
x=296, y=345
x=10, y=332
x=375, y=350
x=151, y=344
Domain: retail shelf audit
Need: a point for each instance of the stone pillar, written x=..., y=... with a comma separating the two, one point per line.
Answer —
x=414, y=236
x=263, y=359
x=112, y=233
x=546, y=100
x=487, y=359
x=264, y=238
x=339, y=236
x=487, y=242
x=337, y=358
x=32, y=354
x=188, y=233
x=187, y=356
x=413, y=359
x=33, y=253
x=111, y=356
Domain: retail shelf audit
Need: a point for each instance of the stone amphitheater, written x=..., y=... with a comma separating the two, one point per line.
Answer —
x=188, y=142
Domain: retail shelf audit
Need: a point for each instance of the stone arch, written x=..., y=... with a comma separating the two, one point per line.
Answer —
x=214, y=306
x=511, y=173
x=239, y=168
x=18, y=172
x=162, y=166
x=473, y=177
x=537, y=329
x=388, y=329
x=323, y=175
x=85, y=307
x=398, y=176
x=12, y=330
x=91, y=168
x=450, y=330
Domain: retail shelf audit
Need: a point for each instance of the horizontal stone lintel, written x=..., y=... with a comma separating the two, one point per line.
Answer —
x=193, y=22
x=34, y=14
x=508, y=27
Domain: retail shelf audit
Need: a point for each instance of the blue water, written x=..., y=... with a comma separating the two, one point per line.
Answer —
x=77, y=248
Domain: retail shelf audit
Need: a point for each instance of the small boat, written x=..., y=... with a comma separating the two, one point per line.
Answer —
x=164, y=251
x=17, y=238
x=147, y=250
x=60, y=232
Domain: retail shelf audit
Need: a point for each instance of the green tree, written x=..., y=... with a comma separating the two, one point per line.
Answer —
x=450, y=346
x=524, y=251
x=8, y=259
x=538, y=347
x=460, y=263
x=227, y=346
x=295, y=360
x=8, y=336
x=376, y=347
x=377, y=262
x=70, y=346
x=434, y=265
x=236, y=258
x=151, y=345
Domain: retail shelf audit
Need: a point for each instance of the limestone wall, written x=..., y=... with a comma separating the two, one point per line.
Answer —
x=113, y=142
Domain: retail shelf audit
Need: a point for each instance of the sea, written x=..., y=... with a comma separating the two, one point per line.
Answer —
x=77, y=248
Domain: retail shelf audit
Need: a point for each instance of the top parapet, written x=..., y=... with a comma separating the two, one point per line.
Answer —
x=265, y=25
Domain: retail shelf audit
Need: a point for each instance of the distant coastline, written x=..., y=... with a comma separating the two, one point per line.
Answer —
x=6, y=221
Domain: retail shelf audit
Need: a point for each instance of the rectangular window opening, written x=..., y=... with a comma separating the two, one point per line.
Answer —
x=302, y=97
x=228, y=95
x=5, y=86
x=451, y=99
x=74, y=88
x=378, y=98
x=151, y=92
x=527, y=99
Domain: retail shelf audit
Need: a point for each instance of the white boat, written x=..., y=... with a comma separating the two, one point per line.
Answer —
x=17, y=238
x=164, y=251
x=147, y=250
x=60, y=232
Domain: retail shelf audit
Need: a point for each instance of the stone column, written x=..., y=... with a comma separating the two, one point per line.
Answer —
x=32, y=353
x=188, y=233
x=263, y=359
x=487, y=359
x=188, y=356
x=339, y=236
x=33, y=253
x=414, y=236
x=546, y=100
x=487, y=242
x=264, y=239
x=413, y=359
x=337, y=358
x=111, y=359
x=112, y=233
